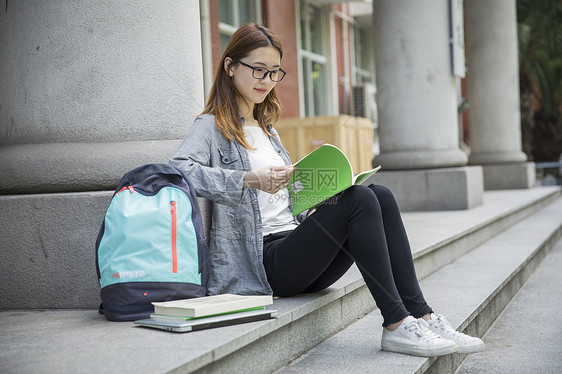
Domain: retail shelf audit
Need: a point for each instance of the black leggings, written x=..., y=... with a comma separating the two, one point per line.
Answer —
x=363, y=225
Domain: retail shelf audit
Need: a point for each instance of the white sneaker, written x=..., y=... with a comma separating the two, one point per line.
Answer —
x=467, y=344
x=414, y=338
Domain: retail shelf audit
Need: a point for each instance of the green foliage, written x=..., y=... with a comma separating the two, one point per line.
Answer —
x=539, y=24
x=540, y=49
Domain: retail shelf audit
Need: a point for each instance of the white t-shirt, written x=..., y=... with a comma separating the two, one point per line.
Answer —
x=275, y=213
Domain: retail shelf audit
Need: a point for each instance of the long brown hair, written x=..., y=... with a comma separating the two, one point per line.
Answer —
x=223, y=96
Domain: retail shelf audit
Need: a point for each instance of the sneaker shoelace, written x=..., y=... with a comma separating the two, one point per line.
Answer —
x=441, y=322
x=422, y=331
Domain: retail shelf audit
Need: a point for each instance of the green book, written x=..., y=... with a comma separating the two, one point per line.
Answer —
x=321, y=174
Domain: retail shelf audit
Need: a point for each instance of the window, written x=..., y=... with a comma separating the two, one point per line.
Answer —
x=362, y=59
x=235, y=13
x=313, y=52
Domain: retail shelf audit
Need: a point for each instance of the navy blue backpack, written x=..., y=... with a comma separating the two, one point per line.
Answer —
x=151, y=245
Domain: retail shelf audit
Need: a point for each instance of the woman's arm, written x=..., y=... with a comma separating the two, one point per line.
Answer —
x=194, y=158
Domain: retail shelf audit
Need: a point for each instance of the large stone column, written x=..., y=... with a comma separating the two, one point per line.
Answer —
x=417, y=103
x=493, y=94
x=89, y=90
x=92, y=89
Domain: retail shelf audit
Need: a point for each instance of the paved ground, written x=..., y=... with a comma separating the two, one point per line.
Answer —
x=527, y=336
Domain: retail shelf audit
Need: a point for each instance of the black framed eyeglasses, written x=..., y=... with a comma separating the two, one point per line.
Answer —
x=260, y=73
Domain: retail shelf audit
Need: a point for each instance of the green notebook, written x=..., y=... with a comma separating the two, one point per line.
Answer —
x=320, y=175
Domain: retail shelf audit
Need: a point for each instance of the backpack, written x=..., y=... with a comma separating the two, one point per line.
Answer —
x=151, y=245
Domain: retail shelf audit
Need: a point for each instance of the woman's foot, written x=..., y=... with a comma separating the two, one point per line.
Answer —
x=439, y=325
x=414, y=338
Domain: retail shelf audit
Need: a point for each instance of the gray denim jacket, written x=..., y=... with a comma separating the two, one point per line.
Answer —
x=216, y=167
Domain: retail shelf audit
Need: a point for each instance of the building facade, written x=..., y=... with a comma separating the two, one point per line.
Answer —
x=327, y=48
x=91, y=90
x=335, y=51
x=92, y=86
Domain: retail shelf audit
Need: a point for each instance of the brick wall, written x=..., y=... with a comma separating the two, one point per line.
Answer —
x=343, y=56
x=215, y=33
x=280, y=17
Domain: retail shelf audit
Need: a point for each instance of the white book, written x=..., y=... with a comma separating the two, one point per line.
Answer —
x=211, y=305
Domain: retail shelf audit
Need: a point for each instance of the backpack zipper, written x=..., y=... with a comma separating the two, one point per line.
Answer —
x=174, y=224
x=130, y=188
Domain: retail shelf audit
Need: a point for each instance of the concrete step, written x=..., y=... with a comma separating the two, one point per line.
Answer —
x=62, y=340
x=472, y=291
x=526, y=337
x=439, y=238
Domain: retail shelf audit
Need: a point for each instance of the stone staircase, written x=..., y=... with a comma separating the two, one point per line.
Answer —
x=471, y=291
x=470, y=263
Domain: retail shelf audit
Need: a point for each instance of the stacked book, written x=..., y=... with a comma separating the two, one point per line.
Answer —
x=207, y=312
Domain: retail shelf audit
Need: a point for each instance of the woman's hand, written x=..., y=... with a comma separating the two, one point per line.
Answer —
x=269, y=179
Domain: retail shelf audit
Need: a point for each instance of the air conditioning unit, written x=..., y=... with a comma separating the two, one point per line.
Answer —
x=364, y=103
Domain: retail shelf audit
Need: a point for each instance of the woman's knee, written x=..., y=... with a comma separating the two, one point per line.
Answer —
x=381, y=191
x=353, y=198
x=361, y=196
x=385, y=196
x=358, y=192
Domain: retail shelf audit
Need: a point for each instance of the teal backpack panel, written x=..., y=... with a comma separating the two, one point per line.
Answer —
x=137, y=243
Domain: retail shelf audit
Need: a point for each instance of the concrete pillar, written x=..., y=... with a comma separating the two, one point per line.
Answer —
x=493, y=94
x=417, y=97
x=417, y=103
x=89, y=90
x=93, y=89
